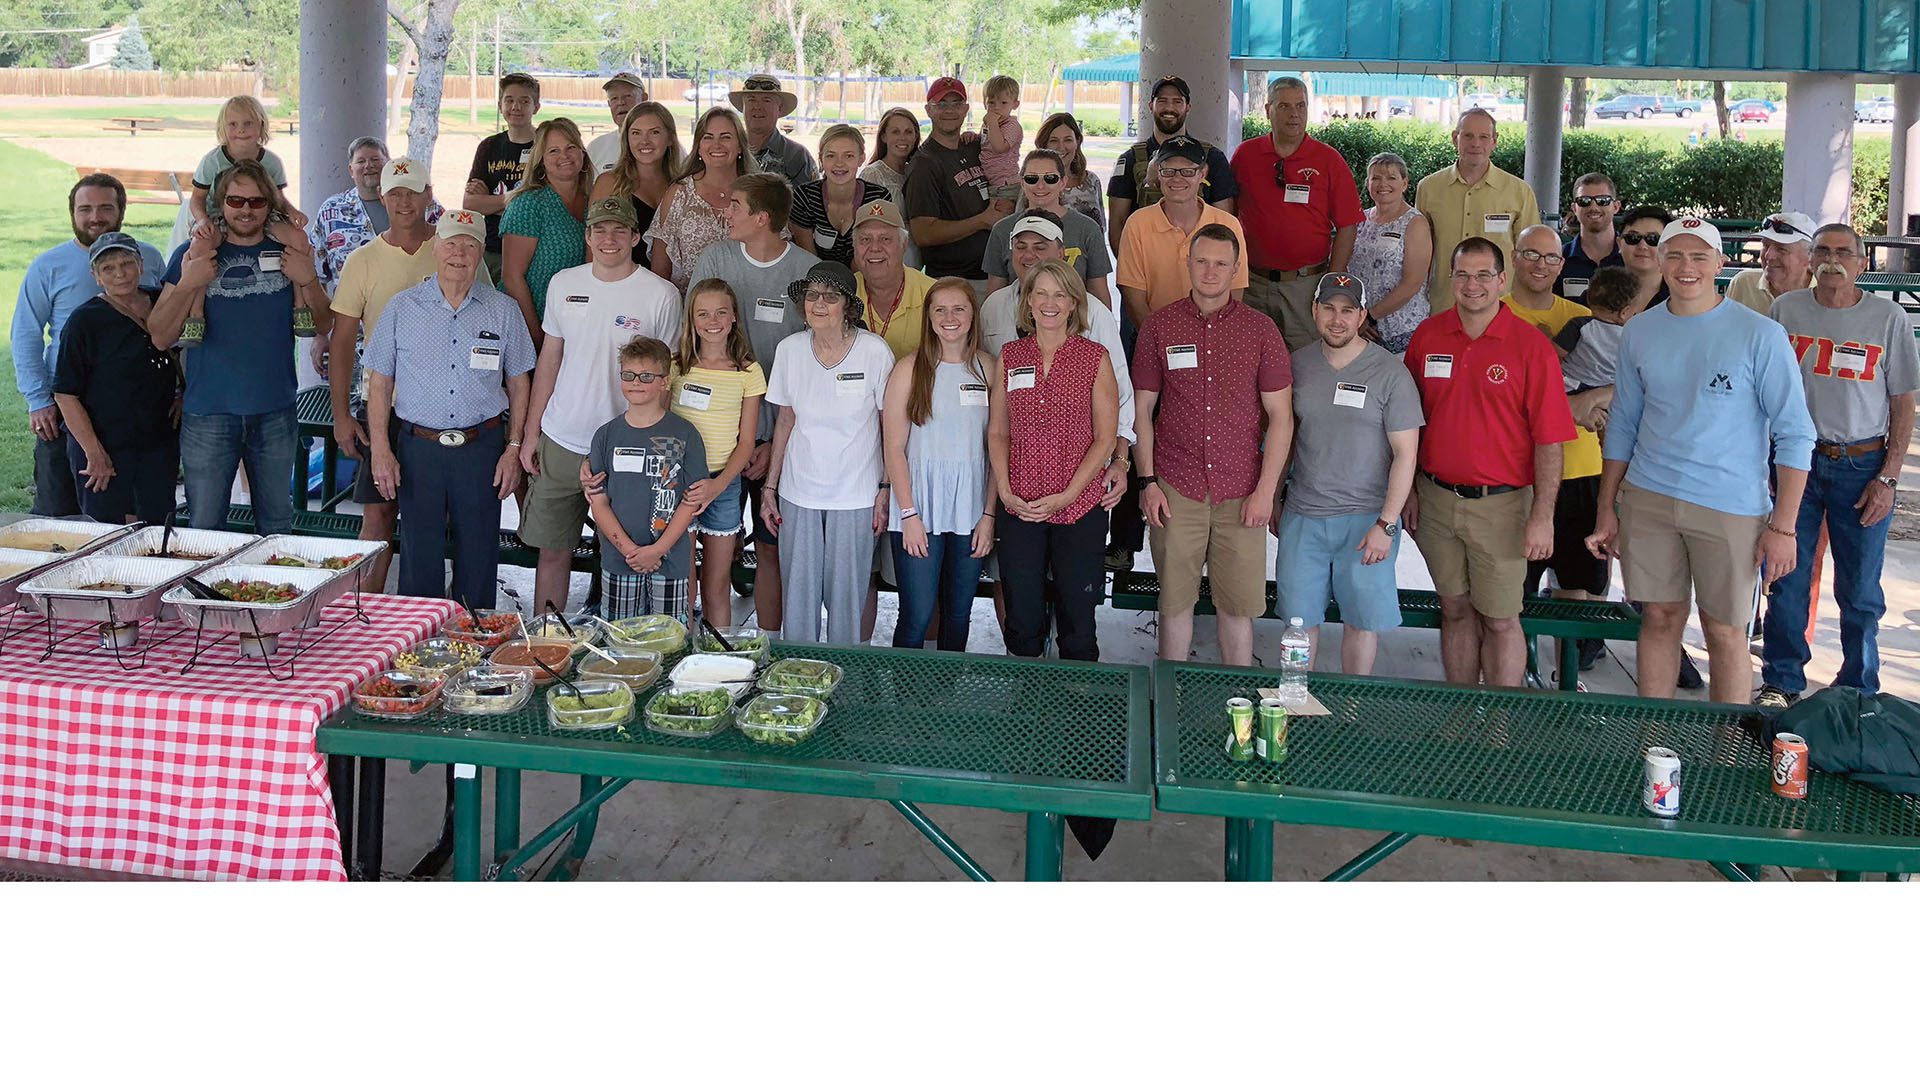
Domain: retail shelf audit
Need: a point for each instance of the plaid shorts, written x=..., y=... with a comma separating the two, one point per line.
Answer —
x=624, y=596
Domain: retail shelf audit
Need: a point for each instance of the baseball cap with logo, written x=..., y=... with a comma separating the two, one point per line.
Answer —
x=615, y=209
x=944, y=86
x=1174, y=81
x=1182, y=146
x=625, y=78
x=1787, y=227
x=109, y=242
x=461, y=223
x=403, y=172
x=1040, y=224
x=1332, y=285
x=881, y=211
x=1691, y=226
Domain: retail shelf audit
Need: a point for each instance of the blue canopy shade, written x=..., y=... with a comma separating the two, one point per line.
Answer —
x=1112, y=69
x=1331, y=83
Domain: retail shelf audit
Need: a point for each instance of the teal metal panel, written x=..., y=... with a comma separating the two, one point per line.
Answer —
x=1112, y=69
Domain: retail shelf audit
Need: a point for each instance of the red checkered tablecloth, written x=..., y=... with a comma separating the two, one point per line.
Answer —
x=211, y=774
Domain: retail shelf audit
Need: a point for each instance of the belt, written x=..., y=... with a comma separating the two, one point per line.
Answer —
x=1290, y=275
x=454, y=436
x=1862, y=448
x=1471, y=491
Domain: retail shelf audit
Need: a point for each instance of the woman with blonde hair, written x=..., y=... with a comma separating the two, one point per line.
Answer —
x=694, y=213
x=649, y=160
x=823, y=210
x=542, y=231
x=717, y=387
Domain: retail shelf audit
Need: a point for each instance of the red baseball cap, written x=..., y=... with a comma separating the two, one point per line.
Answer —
x=943, y=86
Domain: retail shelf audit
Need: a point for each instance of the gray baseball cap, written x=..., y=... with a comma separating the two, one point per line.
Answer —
x=112, y=241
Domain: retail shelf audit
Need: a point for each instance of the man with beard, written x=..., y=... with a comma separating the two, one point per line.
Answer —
x=58, y=281
x=1595, y=245
x=1134, y=186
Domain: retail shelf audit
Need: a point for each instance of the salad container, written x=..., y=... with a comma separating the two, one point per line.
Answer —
x=663, y=634
x=748, y=641
x=780, y=719
x=487, y=691
x=396, y=694
x=496, y=627
x=796, y=675
x=548, y=627
x=638, y=668
x=600, y=704
x=694, y=712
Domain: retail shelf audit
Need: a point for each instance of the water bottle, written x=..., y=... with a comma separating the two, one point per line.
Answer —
x=1296, y=659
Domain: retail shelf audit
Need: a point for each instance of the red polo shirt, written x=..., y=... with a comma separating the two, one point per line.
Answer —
x=1488, y=400
x=1284, y=235
x=1210, y=372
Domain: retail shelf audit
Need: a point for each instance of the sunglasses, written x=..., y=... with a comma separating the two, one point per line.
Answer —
x=1593, y=200
x=249, y=202
x=1050, y=178
x=1784, y=228
x=639, y=376
x=1635, y=239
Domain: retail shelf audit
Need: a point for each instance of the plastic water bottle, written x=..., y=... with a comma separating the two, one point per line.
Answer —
x=1296, y=659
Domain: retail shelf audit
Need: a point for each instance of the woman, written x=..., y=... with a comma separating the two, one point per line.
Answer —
x=1640, y=251
x=648, y=161
x=829, y=382
x=822, y=216
x=1043, y=181
x=695, y=211
x=1055, y=414
x=717, y=388
x=1393, y=253
x=541, y=230
x=893, y=145
x=1061, y=133
x=117, y=394
x=942, y=519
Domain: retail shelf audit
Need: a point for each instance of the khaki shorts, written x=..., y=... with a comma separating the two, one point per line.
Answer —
x=1667, y=544
x=1288, y=303
x=1475, y=548
x=1197, y=535
x=556, y=508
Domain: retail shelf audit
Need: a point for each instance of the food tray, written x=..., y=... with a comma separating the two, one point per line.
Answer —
x=200, y=547
x=456, y=628
x=748, y=641
x=796, y=675
x=233, y=616
x=617, y=711
x=686, y=727
x=730, y=672
x=637, y=668
x=663, y=634
x=441, y=656
x=58, y=593
x=19, y=533
x=30, y=562
x=780, y=719
x=311, y=549
x=548, y=627
x=561, y=660
x=391, y=708
x=462, y=694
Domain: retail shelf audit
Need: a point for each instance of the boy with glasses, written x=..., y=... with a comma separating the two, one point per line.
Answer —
x=1594, y=201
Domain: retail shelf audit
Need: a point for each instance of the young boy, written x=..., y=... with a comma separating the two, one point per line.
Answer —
x=1000, y=137
x=1590, y=347
x=636, y=481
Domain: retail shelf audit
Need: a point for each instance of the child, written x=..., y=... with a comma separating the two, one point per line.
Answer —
x=241, y=128
x=717, y=387
x=635, y=478
x=1000, y=137
x=1590, y=346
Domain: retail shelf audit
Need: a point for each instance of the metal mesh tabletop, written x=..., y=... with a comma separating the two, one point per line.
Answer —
x=1517, y=766
x=313, y=408
x=956, y=728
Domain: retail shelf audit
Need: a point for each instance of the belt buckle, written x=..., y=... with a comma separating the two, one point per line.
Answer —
x=453, y=438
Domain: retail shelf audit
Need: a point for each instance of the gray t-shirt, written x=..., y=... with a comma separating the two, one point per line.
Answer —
x=1341, y=420
x=1086, y=247
x=765, y=311
x=1593, y=352
x=788, y=158
x=376, y=212
x=1852, y=360
x=648, y=469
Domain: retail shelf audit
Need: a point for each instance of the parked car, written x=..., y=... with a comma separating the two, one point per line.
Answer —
x=1399, y=106
x=1752, y=111
x=1681, y=107
x=1489, y=102
x=1619, y=108
x=1877, y=111
x=713, y=93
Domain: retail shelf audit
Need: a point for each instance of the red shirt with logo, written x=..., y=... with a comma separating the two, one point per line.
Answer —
x=1290, y=222
x=1210, y=371
x=1489, y=400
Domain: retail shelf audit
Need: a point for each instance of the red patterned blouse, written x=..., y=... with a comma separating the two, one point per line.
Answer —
x=1052, y=419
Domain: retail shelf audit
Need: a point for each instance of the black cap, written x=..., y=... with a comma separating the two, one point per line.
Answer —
x=1182, y=146
x=836, y=276
x=1174, y=81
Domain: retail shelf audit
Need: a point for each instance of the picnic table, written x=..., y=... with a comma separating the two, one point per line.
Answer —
x=208, y=774
x=1514, y=767
x=134, y=125
x=313, y=407
x=1032, y=737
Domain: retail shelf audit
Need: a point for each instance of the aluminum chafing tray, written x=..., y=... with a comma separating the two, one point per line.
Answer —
x=232, y=616
x=61, y=593
x=310, y=550
x=28, y=563
x=196, y=548
x=91, y=534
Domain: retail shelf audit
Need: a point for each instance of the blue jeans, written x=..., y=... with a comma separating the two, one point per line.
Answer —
x=948, y=574
x=212, y=449
x=1859, y=553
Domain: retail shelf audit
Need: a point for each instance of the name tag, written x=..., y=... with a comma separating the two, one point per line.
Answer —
x=1850, y=358
x=1351, y=395
x=526, y=155
x=824, y=239
x=1497, y=222
x=1020, y=378
x=1182, y=356
x=768, y=310
x=1439, y=366
x=695, y=396
x=974, y=394
x=484, y=358
x=1393, y=236
x=850, y=384
x=629, y=459
x=1573, y=288
x=578, y=299
x=1298, y=193
x=269, y=262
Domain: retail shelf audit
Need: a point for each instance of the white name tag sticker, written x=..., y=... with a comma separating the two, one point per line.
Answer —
x=1439, y=366
x=1180, y=357
x=1298, y=193
x=526, y=155
x=1393, y=236
x=766, y=309
x=1020, y=378
x=1351, y=395
x=484, y=358
x=974, y=394
x=269, y=262
x=1850, y=358
x=1497, y=223
x=629, y=459
x=695, y=396
x=850, y=384
x=1573, y=288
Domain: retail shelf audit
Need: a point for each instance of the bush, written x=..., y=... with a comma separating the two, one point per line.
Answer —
x=1107, y=129
x=1872, y=179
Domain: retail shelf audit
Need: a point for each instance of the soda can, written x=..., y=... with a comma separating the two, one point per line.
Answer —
x=1789, y=766
x=303, y=325
x=1270, y=740
x=1661, y=795
x=1240, y=742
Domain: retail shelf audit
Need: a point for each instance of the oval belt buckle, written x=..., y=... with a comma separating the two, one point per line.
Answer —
x=453, y=438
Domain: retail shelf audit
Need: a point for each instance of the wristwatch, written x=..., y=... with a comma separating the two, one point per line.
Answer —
x=1892, y=482
x=1391, y=528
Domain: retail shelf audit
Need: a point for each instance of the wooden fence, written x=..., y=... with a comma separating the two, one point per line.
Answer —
x=54, y=82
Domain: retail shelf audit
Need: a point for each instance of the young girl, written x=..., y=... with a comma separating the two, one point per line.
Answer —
x=241, y=131
x=717, y=388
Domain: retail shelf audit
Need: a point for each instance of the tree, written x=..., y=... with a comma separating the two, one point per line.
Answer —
x=1720, y=109
x=433, y=38
x=132, y=53
x=1577, y=102
x=212, y=35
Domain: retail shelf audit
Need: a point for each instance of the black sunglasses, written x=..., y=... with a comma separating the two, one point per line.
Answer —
x=1635, y=239
x=1784, y=228
x=1593, y=200
x=1050, y=178
x=253, y=202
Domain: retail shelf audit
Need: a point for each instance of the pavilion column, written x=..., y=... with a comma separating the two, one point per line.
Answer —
x=1819, y=150
x=343, y=89
x=1546, y=92
x=1189, y=38
x=1904, y=198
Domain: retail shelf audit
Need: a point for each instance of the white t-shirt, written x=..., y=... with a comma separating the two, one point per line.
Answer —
x=594, y=318
x=833, y=454
x=604, y=151
x=997, y=328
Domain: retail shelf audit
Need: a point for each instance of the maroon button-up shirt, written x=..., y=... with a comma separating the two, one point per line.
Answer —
x=1209, y=372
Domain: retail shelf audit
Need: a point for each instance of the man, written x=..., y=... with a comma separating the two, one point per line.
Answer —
x=1220, y=373
x=1301, y=210
x=947, y=208
x=1595, y=246
x=624, y=91
x=347, y=221
x=1859, y=370
x=59, y=280
x=1490, y=464
x=1354, y=451
x=1703, y=384
x=762, y=103
x=1472, y=197
x=1786, y=263
x=759, y=263
x=893, y=294
x=1133, y=185
x=591, y=311
x=450, y=360
x=239, y=403
x=500, y=160
x=1152, y=271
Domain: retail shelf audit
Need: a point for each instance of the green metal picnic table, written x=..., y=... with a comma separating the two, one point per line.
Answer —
x=1033, y=737
x=1510, y=766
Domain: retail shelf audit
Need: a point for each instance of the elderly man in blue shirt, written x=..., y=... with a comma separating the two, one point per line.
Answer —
x=1703, y=387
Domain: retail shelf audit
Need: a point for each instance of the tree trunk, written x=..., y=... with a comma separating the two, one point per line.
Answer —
x=423, y=128
x=1720, y=109
x=1577, y=102
x=408, y=54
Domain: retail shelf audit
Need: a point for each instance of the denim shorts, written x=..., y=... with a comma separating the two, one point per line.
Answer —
x=1317, y=561
x=722, y=515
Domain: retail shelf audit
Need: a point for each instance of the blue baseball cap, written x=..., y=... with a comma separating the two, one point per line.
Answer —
x=111, y=241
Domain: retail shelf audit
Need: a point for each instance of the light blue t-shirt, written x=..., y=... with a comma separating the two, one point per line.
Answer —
x=58, y=281
x=1698, y=398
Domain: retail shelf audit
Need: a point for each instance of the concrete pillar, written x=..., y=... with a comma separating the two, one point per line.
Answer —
x=343, y=79
x=1129, y=116
x=1546, y=92
x=1067, y=105
x=1188, y=38
x=1819, y=146
x=1904, y=198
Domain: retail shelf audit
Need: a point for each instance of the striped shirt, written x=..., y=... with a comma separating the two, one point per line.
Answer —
x=809, y=215
x=448, y=364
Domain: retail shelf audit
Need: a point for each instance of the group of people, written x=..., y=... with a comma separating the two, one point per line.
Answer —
x=904, y=360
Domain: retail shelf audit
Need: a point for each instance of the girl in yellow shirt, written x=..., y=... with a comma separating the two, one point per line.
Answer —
x=717, y=387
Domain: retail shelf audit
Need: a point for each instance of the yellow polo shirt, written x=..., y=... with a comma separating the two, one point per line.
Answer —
x=1153, y=253
x=1749, y=289
x=902, y=328
x=1497, y=207
x=1581, y=457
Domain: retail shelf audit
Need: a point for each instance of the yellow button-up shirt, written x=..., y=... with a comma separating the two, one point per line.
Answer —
x=1497, y=207
x=900, y=327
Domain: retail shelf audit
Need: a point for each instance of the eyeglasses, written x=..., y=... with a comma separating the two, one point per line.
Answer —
x=1635, y=239
x=1593, y=200
x=947, y=105
x=1784, y=228
x=639, y=376
x=249, y=202
x=1050, y=178
x=1551, y=259
x=818, y=296
x=1484, y=277
x=1188, y=172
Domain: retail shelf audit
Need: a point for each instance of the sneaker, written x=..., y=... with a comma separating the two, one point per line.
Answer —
x=1689, y=675
x=1772, y=697
x=1591, y=650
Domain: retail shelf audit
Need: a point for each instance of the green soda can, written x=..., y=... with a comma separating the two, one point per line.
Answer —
x=1270, y=741
x=303, y=322
x=1240, y=741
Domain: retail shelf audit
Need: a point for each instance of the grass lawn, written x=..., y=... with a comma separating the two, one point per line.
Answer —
x=34, y=224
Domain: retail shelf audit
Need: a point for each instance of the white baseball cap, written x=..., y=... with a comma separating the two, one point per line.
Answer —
x=1039, y=226
x=1691, y=226
x=461, y=223
x=403, y=172
x=1787, y=227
